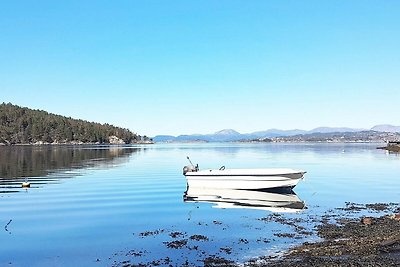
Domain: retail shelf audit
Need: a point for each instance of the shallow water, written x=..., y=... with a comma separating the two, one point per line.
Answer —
x=100, y=206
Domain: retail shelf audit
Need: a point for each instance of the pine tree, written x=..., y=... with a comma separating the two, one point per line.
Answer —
x=23, y=125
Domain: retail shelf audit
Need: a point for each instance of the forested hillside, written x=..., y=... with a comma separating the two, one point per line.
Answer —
x=20, y=125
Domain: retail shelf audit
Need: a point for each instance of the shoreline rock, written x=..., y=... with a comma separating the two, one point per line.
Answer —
x=391, y=147
x=76, y=144
x=348, y=241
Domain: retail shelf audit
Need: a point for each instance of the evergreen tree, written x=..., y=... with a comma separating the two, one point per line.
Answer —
x=22, y=125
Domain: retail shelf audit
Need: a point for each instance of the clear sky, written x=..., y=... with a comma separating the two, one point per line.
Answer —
x=174, y=67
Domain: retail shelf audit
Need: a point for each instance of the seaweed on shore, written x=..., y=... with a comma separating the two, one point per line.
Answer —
x=365, y=241
x=354, y=235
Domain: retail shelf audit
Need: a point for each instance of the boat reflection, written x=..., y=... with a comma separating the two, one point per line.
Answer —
x=275, y=201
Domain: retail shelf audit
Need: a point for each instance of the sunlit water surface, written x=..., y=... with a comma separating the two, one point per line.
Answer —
x=101, y=206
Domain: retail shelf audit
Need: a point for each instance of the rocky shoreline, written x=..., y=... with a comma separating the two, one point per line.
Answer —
x=365, y=241
x=77, y=143
x=354, y=235
x=392, y=147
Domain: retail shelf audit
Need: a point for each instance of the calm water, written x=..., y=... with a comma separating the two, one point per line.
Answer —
x=99, y=206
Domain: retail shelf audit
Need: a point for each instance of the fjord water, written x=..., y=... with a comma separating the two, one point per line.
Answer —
x=100, y=206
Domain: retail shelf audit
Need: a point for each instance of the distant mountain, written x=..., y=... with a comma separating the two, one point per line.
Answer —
x=227, y=132
x=386, y=128
x=220, y=136
x=335, y=130
x=340, y=137
x=277, y=132
x=165, y=138
x=228, y=135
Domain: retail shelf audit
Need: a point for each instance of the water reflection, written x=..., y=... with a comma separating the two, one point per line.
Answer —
x=45, y=164
x=275, y=201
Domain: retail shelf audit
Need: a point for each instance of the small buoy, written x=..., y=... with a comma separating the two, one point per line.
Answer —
x=26, y=183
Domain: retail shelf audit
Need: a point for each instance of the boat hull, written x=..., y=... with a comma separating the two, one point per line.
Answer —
x=245, y=179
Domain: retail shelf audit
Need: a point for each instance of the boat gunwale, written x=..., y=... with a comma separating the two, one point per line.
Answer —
x=192, y=174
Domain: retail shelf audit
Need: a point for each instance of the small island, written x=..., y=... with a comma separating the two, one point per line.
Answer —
x=21, y=125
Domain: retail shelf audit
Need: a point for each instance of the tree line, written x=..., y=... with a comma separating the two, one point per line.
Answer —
x=21, y=125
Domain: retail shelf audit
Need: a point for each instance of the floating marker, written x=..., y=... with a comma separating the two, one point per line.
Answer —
x=26, y=183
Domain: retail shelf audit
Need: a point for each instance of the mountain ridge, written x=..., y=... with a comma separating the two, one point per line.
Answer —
x=227, y=135
x=386, y=128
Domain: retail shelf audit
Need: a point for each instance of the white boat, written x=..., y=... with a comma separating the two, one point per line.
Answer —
x=277, y=201
x=242, y=178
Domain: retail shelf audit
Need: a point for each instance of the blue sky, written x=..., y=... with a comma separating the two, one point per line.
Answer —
x=172, y=67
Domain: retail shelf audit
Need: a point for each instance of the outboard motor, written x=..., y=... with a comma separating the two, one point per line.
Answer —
x=190, y=168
